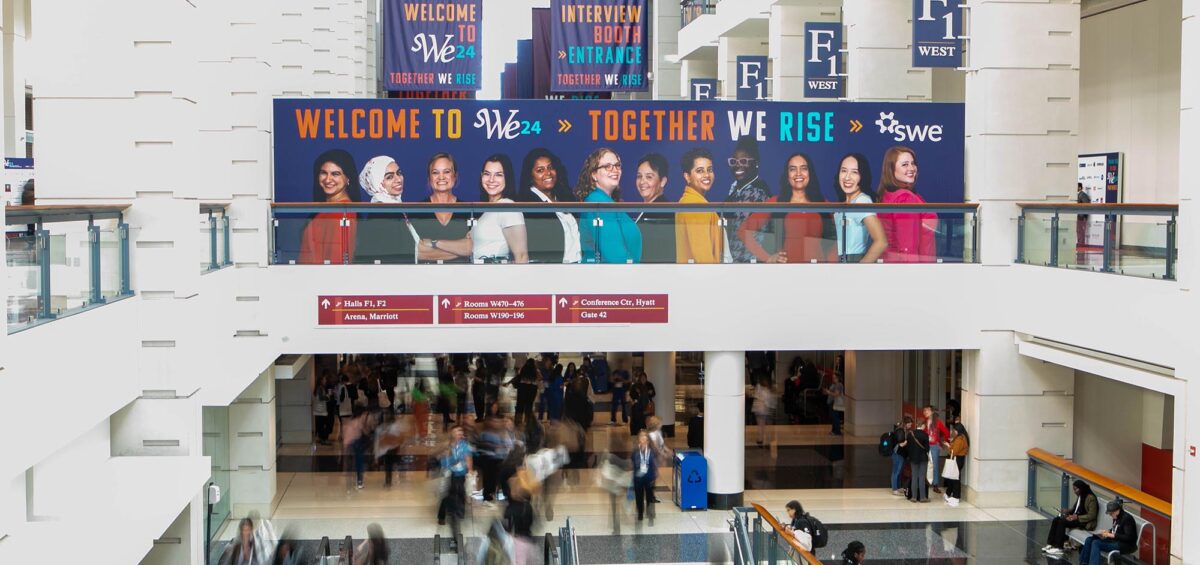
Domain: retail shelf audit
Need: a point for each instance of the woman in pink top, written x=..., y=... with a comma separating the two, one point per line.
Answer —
x=909, y=234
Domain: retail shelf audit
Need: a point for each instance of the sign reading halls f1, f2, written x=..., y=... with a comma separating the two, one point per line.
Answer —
x=598, y=46
x=822, y=44
x=374, y=310
x=937, y=27
x=432, y=45
x=495, y=309
x=611, y=308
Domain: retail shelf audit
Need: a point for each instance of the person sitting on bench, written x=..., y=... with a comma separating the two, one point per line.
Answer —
x=1083, y=515
x=1123, y=536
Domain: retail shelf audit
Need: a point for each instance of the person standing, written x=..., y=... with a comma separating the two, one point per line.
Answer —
x=478, y=389
x=1081, y=220
x=957, y=448
x=899, y=455
x=917, y=448
x=938, y=435
x=695, y=436
x=643, y=394
x=619, y=381
x=645, y=471
x=320, y=408
x=837, y=404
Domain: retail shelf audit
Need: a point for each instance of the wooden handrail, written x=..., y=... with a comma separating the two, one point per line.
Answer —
x=1123, y=490
x=805, y=554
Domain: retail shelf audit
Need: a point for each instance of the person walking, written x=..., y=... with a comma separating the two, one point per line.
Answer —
x=619, y=382
x=643, y=394
x=854, y=554
x=645, y=472
x=459, y=460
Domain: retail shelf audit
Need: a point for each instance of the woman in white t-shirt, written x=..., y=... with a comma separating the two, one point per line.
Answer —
x=499, y=236
x=860, y=235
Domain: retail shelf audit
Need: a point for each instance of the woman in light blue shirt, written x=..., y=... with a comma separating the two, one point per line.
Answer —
x=616, y=237
x=859, y=234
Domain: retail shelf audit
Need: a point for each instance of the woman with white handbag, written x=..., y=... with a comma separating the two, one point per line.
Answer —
x=956, y=449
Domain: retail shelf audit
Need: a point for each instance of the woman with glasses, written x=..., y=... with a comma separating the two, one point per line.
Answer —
x=606, y=237
x=747, y=187
x=552, y=237
x=499, y=237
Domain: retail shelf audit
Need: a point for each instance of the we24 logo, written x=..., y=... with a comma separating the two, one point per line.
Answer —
x=888, y=123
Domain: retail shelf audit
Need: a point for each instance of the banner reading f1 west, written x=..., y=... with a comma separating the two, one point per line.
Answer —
x=937, y=26
x=822, y=43
x=432, y=45
x=599, y=45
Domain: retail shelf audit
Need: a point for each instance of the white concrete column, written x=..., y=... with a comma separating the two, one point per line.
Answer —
x=15, y=56
x=725, y=427
x=660, y=371
x=787, y=41
x=252, y=438
x=879, y=56
x=1022, y=98
x=1012, y=403
x=664, y=35
x=874, y=383
x=183, y=541
x=1186, y=486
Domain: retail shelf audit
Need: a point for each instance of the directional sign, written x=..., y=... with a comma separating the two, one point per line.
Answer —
x=611, y=308
x=495, y=309
x=374, y=310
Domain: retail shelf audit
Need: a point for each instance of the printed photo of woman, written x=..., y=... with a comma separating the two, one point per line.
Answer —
x=615, y=238
x=699, y=237
x=499, y=237
x=385, y=237
x=658, y=228
x=325, y=240
x=553, y=237
x=910, y=235
x=796, y=237
x=860, y=235
x=445, y=236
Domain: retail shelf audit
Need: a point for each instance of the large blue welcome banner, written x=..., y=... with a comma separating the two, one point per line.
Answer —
x=432, y=45
x=411, y=131
x=599, y=45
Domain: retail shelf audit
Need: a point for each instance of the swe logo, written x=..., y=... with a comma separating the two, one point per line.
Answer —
x=888, y=124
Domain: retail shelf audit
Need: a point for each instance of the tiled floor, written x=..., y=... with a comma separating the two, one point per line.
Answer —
x=842, y=480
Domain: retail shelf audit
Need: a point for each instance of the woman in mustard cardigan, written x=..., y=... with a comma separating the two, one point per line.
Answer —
x=699, y=237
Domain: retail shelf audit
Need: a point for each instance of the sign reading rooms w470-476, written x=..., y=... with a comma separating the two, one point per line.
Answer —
x=491, y=309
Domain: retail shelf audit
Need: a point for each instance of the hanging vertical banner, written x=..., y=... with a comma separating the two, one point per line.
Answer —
x=703, y=88
x=937, y=26
x=599, y=45
x=822, y=44
x=752, y=77
x=432, y=45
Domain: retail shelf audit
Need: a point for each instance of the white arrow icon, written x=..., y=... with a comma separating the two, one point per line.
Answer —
x=445, y=303
x=325, y=304
x=562, y=302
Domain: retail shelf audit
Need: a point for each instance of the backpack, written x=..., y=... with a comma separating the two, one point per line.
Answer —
x=820, y=534
x=887, y=444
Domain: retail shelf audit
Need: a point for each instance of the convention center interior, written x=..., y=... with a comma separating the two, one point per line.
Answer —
x=596, y=282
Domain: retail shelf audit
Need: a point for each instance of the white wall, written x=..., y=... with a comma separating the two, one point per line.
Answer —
x=1108, y=427
x=1129, y=94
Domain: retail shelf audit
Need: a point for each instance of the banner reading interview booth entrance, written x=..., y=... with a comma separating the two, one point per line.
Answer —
x=411, y=131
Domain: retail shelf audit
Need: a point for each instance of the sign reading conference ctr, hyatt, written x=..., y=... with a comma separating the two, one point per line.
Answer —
x=611, y=308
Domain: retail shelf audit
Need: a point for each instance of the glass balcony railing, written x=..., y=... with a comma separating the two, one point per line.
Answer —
x=623, y=233
x=214, y=235
x=1136, y=240
x=62, y=260
x=692, y=9
x=760, y=539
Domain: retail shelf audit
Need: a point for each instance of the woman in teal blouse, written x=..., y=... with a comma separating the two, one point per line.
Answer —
x=617, y=238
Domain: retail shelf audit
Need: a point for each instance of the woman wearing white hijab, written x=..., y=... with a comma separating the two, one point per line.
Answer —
x=385, y=238
x=383, y=180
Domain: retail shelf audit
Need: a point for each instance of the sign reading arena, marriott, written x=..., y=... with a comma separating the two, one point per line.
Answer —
x=598, y=46
x=374, y=310
x=432, y=45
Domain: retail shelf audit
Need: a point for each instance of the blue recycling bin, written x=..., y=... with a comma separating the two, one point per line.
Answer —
x=690, y=477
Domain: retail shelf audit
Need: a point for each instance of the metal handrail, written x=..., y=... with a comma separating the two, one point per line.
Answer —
x=1148, y=209
x=627, y=207
x=42, y=213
